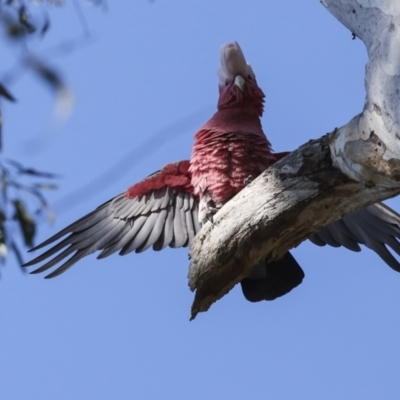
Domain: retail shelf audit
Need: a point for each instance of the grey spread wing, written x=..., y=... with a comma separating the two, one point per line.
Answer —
x=376, y=227
x=158, y=219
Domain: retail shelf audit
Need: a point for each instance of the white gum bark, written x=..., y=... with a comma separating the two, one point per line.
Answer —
x=351, y=168
x=367, y=149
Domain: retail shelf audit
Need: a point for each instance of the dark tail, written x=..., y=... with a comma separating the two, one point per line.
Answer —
x=272, y=280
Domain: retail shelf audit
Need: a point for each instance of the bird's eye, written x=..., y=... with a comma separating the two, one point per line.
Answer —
x=226, y=82
x=249, y=77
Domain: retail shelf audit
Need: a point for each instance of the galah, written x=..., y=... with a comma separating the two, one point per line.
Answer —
x=168, y=207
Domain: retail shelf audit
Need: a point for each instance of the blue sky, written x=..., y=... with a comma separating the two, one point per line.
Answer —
x=119, y=328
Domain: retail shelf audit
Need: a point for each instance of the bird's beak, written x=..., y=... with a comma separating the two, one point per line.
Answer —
x=239, y=82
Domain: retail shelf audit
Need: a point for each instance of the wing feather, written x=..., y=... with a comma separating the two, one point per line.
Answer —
x=119, y=242
x=81, y=224
x=195, y=214
x=160, y=217
x=344, y=237
x=168, y=234
x=327, y=237
x=148, y=204
x=156, y=232
x=190, y=226
x=376, y=227
x=180, y=234
x=141, y=234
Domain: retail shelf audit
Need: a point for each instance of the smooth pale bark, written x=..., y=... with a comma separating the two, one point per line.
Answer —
x=353, y=167
x=368, y=147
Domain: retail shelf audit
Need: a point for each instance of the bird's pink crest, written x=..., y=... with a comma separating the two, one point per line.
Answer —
x=237, y=82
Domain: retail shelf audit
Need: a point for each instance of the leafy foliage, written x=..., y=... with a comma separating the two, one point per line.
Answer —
x=21, y=203
x=22, y=198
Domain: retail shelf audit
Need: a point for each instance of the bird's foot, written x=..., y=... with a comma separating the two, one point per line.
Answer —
x=208, y=211
x=248, y=180
x=211, y=211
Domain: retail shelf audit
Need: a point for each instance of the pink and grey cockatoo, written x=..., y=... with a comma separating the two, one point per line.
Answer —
x=168, y=207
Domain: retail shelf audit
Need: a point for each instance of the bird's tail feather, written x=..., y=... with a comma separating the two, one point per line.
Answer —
x=274, y=279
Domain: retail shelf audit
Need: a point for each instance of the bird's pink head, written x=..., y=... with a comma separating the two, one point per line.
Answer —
x=237, y=82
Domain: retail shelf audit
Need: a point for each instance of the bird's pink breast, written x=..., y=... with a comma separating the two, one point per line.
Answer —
x=222, y=161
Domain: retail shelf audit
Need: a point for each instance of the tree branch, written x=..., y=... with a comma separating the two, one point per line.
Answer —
x=351, y=168
x=367, y=149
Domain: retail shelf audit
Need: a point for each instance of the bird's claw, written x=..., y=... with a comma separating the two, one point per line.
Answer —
x=211, y=211
x=207, y=211
x=248, y=180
